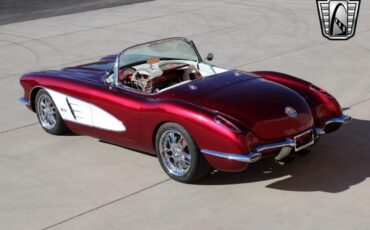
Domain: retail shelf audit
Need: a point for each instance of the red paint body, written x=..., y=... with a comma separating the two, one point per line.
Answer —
x=255, y=102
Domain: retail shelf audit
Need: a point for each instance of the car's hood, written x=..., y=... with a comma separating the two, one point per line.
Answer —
x=92, y=68
x=91, y=72
x=258, y=103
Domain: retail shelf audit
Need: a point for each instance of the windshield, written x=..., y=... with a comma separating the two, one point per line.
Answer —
x=170, y=49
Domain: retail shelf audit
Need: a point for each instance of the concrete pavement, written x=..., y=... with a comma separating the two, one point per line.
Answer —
x=76, y=182
x=23, y=10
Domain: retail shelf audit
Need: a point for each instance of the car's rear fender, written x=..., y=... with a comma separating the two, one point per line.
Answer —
x=202, y=127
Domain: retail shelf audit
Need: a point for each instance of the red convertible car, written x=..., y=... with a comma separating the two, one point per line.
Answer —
x=161, y=97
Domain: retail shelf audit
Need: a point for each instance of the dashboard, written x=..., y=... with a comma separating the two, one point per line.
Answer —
x=156, y=75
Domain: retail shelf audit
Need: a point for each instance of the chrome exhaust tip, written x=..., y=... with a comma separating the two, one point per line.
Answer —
x=284, y=152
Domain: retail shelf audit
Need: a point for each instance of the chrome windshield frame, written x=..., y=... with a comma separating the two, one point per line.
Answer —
x=116, y=66
x=189, y=42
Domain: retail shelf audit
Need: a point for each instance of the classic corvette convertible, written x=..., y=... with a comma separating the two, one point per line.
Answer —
x=161, y=97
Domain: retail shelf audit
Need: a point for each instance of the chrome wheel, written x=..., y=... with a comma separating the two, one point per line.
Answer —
x=175, y=154
x=47, y=112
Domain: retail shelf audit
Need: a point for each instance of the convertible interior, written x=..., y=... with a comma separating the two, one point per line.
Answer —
x=157, y=75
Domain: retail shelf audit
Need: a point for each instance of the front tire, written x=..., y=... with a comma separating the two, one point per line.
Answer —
x=48, y=115
x=178, y=154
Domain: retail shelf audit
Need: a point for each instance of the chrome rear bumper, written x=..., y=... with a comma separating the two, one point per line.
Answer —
x=256, y=155
x=344, y=119
x=248, y=158
x=252, y=156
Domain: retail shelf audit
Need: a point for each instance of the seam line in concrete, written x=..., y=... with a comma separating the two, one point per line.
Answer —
x=281, y=54
x=289, y=52
x=111, y=25
x=77, y=62
x=106, y=204
x=358, y=103
x=61, y=11
x=9, y=76
x=24, y=126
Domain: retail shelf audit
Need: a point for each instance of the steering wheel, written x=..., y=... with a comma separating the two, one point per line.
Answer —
x=125, y=75
x=142, y=80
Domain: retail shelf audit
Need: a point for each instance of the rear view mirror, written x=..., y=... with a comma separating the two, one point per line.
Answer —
x=210, y=57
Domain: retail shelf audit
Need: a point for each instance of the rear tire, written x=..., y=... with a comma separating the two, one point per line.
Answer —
x=48, y=115
x=178, y=154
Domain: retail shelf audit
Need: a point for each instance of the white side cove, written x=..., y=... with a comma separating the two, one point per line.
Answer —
x=81, y=112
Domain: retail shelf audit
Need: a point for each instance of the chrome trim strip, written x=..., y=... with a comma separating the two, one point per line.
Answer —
x=23, y=101
x=252, y=156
